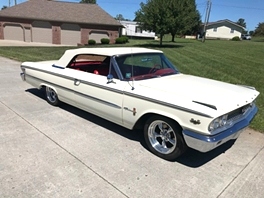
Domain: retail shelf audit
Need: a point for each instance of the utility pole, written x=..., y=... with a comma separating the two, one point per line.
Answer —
x=206, y=20
x=9, y=2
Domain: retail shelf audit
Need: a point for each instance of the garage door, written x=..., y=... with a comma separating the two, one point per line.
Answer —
x=70, y=34
x=98, y=35
x=41, y=32
x=13, y=32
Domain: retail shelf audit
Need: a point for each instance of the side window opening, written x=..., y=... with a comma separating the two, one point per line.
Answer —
x=91, y=63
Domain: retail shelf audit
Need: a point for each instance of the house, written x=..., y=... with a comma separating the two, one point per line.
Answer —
x=223, y=29
x=57, y=22
x=132, y=29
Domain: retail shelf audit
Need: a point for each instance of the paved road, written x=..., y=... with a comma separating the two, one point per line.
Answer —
x=48, y=151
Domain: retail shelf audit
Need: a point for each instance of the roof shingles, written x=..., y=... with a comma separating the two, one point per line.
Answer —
x=61, y=12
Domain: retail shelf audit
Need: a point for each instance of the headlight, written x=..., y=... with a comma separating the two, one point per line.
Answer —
x=218, y=122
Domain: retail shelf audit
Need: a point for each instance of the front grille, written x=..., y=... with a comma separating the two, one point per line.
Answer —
x=238, y=113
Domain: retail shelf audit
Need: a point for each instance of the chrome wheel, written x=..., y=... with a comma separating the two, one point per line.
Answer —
x=162, y=137
x=51, y=96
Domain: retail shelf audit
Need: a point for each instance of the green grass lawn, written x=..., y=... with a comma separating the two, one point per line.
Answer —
x=240, y=62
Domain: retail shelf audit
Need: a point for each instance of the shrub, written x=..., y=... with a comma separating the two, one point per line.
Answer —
x=236, y=38
x=91, y=42
x=122, y=40
x=125, y=39
x=105, y=41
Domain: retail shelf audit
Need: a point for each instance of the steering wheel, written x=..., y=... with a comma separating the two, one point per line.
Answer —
x=154, y=68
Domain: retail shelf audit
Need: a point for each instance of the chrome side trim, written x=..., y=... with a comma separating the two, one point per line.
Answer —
x=48, y=72
x=50, y=83
x=80, y=94
x=205, y=143
x=168, y=104
x=99, y=100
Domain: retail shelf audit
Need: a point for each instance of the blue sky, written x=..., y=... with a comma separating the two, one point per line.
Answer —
x=250, y=10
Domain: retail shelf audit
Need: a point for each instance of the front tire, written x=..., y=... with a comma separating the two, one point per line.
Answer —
x=164, y=138
x=52, y=97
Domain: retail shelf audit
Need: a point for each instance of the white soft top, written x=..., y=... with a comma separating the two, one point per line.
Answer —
x=107, y=51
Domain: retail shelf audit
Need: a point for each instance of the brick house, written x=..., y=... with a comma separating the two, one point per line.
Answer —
x=56, y=22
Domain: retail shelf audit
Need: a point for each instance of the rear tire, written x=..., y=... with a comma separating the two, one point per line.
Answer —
x=164, y=138
x=52, y=97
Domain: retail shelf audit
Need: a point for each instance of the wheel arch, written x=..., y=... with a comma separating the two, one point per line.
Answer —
x=44, y=85
x=141, y=121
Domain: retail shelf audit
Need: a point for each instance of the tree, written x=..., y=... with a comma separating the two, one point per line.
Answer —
x=259, y=31
x=242, y=22
x=88, y=1
x=185, y=18
x=251, y=32
x=170, y=16
x=120, y=17
x=154, y=16
x=4, y=7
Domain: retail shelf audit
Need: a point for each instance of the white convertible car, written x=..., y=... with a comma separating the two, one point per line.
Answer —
x=140, y=88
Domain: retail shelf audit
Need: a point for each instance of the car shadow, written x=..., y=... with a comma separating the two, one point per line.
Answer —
x=191, y=158
x=195, y=159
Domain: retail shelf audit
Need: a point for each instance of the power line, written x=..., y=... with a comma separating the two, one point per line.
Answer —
x=240, y=7
x=108, y=2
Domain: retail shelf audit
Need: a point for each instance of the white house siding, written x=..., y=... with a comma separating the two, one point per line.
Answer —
x=223, y=31
x=13, y=32
x=41, y=32
x=70, y=34
x=130, y=29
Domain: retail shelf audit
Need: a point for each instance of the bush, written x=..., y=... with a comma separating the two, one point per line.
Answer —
x=105, y=41
x=91, y=42
x=236, y=38
x=125, y=39
x=122, y=40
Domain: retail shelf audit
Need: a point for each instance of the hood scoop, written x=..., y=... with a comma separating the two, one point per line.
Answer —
x=207, y=105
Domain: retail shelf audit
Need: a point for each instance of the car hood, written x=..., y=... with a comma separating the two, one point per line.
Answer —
x=211, y=96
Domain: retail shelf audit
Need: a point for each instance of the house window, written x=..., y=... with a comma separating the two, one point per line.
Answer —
x=138, y=29
x=232, y=31
x=215, y=29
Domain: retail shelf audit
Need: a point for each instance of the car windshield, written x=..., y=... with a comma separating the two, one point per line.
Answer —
x=144, y=66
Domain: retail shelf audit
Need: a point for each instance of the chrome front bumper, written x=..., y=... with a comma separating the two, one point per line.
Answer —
x=205, y=143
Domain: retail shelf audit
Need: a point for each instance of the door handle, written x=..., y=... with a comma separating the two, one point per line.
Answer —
x=77, y=82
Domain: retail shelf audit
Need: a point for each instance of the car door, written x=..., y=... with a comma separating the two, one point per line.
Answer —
x=93, y=93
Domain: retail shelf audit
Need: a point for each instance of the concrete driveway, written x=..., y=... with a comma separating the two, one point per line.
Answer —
x=22, y=43
x=48, y=151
